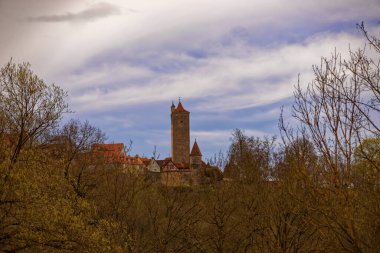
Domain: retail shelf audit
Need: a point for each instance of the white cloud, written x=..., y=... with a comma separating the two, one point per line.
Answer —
x=53, y=48
x=261, y=76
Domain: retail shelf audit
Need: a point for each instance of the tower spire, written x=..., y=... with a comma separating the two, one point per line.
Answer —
x=180, y=107
x=195, y=151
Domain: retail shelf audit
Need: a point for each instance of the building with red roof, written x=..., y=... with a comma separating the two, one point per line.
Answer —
x=183, y=168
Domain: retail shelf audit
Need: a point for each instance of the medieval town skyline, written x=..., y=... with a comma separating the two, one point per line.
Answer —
x=233, y=63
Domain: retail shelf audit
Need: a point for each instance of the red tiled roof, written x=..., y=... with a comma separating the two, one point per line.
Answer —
x=114, y=147
x=113, y=153
x=160, y=162
x=107, y=153
x=178, y=166
x=182, y=166
x=180, y=108
x=195, y=151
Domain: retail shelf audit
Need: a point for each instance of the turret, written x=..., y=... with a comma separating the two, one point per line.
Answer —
x=195, y=157
x=196, y=164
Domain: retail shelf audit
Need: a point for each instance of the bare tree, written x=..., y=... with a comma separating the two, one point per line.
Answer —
x=338, y=111
x=29, y=106
x=249, y=158
x=72, y=141
x=332, y=121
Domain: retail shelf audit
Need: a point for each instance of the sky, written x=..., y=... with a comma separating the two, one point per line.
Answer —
x=234, y=64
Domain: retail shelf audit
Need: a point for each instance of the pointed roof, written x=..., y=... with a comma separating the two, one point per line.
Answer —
x=195, y=151
x=180, y=108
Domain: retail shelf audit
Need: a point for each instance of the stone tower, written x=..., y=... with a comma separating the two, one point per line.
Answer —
x=195, y=157
x=196, y=164
x=180, y=134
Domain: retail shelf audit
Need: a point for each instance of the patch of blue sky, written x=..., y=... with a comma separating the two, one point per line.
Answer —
x=166, y=62
x=198, y=53
x=167, y=67
x=258, y=117
x=124, y=124
x=272, y=79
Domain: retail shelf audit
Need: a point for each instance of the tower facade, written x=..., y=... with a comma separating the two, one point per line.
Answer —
x=180, y=134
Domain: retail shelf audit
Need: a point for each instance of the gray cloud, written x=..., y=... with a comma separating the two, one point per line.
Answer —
x=99, y=10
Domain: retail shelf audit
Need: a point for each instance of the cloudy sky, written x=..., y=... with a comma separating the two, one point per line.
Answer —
x=234, y=63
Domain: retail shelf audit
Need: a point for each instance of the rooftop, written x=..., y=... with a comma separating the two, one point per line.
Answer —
x=180, y=108
x=195, y=151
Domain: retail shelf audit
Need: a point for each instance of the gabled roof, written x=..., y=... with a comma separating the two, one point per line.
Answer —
x=147, y=161
x=160, y=162
x=180, y=108
x=195, y=151
x=178, y=166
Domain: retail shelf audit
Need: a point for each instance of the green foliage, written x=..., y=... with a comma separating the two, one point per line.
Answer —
x=41, y=212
